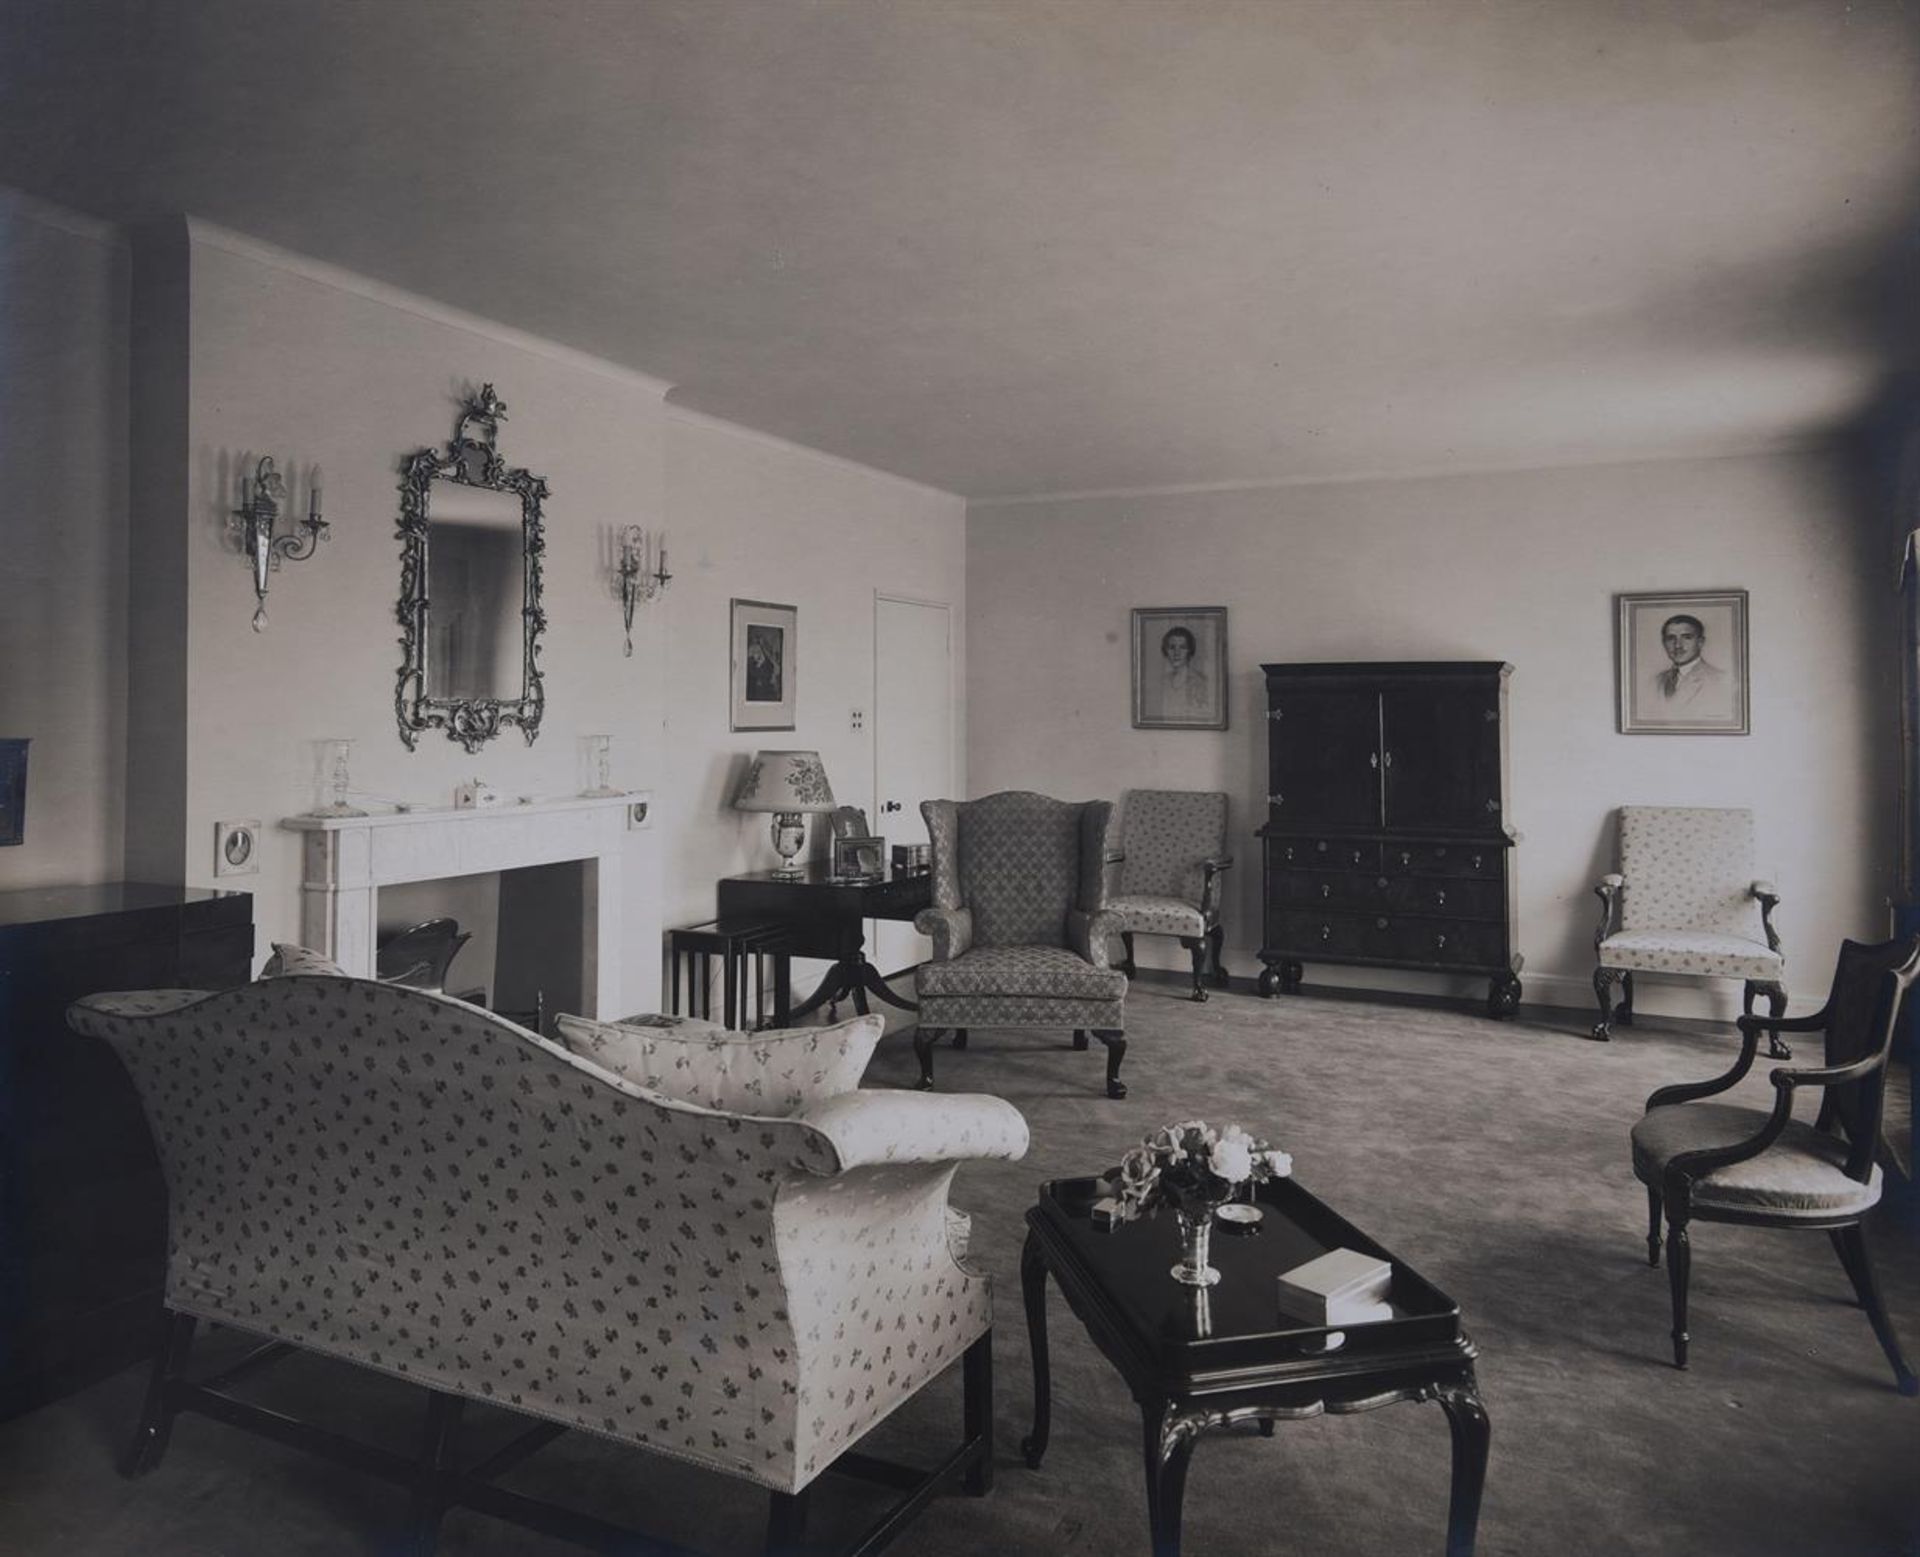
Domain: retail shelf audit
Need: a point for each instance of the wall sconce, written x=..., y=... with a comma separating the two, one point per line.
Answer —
x=258, y=513
x=643, y=576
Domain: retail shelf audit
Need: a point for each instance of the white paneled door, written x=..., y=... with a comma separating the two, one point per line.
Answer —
x=912, y=741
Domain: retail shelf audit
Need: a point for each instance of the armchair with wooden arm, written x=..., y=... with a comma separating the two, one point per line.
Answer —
x=1172, y=856
x=1727, y=1162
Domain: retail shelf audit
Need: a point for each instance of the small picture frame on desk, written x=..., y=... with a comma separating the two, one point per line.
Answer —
x=858, y=859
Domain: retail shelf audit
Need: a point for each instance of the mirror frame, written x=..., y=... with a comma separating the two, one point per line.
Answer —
x=472, y=461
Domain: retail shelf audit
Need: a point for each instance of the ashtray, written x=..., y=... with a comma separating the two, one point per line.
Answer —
x=1238, y=1217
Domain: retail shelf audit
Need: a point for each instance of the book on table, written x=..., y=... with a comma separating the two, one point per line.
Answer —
x=1340, y=1287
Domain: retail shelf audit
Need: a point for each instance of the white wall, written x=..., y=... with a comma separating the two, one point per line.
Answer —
x=1515, y=566
x=63, y=536
x=761, y=519
x=278, y=355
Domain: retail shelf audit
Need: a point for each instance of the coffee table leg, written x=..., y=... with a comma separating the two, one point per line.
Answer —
x=1471, y=1434
x=1169, y=1437
x=1033, y=1285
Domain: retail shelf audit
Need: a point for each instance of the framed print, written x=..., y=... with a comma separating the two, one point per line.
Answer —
x=763, y=665
x=1180, y=668
x=858, y=859
x=13, y=791
x=236, y=848
x=1681, y=664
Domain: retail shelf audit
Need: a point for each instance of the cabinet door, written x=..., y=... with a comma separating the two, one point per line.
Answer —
x=1323, y=750
x=1441, y=757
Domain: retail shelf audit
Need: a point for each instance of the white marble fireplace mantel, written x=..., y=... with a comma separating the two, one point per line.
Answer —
x=349, y=858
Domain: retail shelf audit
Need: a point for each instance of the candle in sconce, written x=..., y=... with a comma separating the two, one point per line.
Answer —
x=313, y=497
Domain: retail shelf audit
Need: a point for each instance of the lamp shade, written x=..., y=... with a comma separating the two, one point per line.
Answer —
x=785, y=781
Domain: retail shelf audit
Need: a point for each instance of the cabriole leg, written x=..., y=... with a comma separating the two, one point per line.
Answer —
x=1196, y=946
x=1216, y=939
x=923, y=1037
x=156, y=1412
x=1116, y=1042
x=1603, y=992
x=1776, y=1008
x=1126, y=965
x=1472, y=1435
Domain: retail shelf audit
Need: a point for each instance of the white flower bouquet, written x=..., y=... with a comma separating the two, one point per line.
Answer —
x=1193, y=1167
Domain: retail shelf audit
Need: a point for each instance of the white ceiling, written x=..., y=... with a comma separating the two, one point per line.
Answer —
x=1013, y=247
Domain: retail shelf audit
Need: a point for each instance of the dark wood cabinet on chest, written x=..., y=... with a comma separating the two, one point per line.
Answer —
x=1386, y=841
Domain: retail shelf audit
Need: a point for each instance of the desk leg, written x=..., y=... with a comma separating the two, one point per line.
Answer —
x=832, y=987
x=875, y=982
x=1033, y=1286
x=1169, y=1436
x=1472, y=1433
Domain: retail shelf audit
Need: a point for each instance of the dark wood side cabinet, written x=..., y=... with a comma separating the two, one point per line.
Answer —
x=1386, y=842
x=82, y=1207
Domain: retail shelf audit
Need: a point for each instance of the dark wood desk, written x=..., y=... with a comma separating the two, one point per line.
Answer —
x=827, y=918
x=1196, y=1358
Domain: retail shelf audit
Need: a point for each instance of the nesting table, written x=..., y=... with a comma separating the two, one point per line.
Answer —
x=1197, y=1359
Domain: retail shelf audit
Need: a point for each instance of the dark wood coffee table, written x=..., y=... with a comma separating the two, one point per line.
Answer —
x=1201, y=1358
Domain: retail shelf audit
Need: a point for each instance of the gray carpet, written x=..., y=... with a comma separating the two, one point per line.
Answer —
x=1493, y=1157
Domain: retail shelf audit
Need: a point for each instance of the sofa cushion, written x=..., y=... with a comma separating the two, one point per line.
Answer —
x=290, y=959
x=1799, y=1174
x=772, y=1074
x=1047, y=972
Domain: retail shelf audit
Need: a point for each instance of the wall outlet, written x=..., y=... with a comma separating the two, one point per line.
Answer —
x=858, y=720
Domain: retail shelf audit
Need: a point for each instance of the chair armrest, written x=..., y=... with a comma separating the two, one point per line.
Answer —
x=1210, y=885
x=950, y=930
x=883, y=1126
x=84, y=1014
x=1769, y=898
x=1787, y=1077
x=1817, y=1023
x=1691, y=1165
x=1688, y=1091
x=1608, y=891
x=1088, y=934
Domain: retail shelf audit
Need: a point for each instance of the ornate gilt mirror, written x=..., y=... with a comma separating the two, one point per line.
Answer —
x=470, y=613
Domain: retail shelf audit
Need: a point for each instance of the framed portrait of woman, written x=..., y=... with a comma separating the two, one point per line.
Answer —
x=1180, y=668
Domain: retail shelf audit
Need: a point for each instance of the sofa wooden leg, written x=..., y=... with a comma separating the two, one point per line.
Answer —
x=976, y=1370
x=959, y=1037
x=1603, y=979
x=1776, y=1008
x=923, y=1038
x=1126, y=940
x=436, y=1460
x=1217, y=938
x=1116, y=1042
x=156, y=1412
x=787, y=1522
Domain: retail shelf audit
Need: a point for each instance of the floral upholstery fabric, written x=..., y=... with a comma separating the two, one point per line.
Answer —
x=1803, y=1171
x=1148, y=915
x=769, y=1073
x=288, y=958
x=1166, y=834
x=1045, y=972
x=1701, y=952
x=1688, y=867
x=391, y=1177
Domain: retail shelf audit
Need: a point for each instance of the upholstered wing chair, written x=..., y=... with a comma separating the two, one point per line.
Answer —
x=395, y=1179
x=1018, y=924
x=1685, y=901
x=1172, y=853
x=1725, y=1161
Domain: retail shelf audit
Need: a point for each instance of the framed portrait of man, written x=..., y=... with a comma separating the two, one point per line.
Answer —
x=763, y=665
x=1682, y=663
x=1180, y=668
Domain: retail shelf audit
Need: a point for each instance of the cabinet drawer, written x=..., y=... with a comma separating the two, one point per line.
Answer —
x=1447, y=859
x=1385, y=938
x=1324, y=853
x=1447, y=896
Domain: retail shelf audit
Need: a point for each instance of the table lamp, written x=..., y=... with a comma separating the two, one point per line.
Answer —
x=789, y=784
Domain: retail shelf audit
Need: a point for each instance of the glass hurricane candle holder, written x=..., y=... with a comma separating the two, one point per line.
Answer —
x=333, y=766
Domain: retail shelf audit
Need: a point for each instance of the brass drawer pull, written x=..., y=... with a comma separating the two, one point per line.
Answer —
x=1440, y=898
x=1326, y=889
x=1476, y=862
x=1381, y=883
x=1405, y=857
x=1326, y=932
x=1356, y=856
x=1440, y=942
x=1379, y=924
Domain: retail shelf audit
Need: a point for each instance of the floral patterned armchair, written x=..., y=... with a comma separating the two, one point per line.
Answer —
x=1684, y=901
x=1019, y=924
x=399, y=1180
x=1173, y=851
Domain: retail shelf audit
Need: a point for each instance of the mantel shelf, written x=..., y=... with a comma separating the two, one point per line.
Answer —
x=417, y=814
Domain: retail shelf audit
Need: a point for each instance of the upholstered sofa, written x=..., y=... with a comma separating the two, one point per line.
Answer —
x=409, y=1183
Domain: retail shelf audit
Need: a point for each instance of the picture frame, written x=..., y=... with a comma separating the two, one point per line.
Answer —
x=764, y=638
x=236, y=848
x=859, y=859
x=1179, y=667
x=13, y=790
x=1680, y=662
